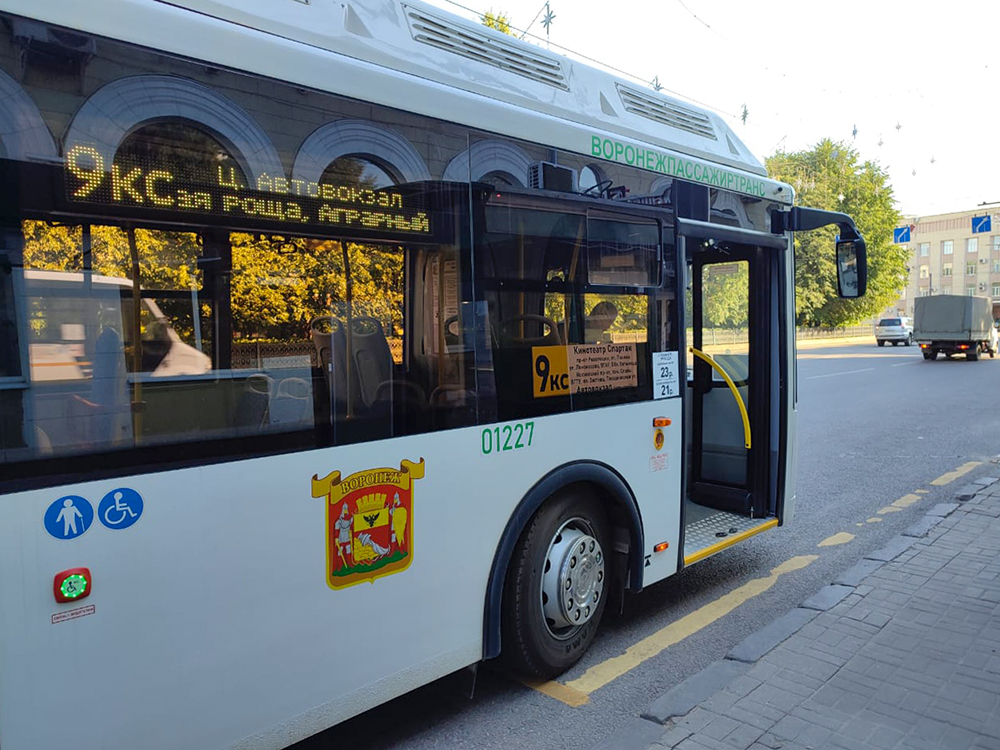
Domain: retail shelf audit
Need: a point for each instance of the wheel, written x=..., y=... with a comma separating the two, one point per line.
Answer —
x=881, y=342
x=930, y=355
x=556, y=586
x=909, y=340
x=895, y=343
x=972, y=355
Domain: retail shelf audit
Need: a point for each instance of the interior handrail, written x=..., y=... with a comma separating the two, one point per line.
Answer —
x=732, y=387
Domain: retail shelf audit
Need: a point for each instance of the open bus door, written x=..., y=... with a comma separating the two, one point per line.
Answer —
x=739, y=284
x=735, y=354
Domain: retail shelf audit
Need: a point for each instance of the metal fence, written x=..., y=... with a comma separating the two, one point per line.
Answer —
x=717, y=336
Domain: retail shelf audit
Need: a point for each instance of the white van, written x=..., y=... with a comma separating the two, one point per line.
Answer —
x=69, y=314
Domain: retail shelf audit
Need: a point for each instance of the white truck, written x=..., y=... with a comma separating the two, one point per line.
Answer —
x=954, y=324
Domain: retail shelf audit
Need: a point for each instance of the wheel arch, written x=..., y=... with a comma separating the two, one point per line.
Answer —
x=623, y=510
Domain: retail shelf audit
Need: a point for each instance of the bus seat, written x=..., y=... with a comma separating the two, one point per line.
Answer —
x=331, y=353
x=292, y=404
x=547, y=332
x=371, y=357
x=252, y=405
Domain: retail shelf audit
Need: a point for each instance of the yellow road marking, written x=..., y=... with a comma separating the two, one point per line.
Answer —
x=873, y=520
x=841, y=537
x=729, y=542
x=951, y=476
x=601, y=674
x=889, y=509
x=859, y=524
x=905, y=501
x=921, y=492
x=560, y=692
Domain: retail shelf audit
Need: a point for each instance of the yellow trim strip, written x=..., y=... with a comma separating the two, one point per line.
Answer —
x=732, y=387
x=729, y=542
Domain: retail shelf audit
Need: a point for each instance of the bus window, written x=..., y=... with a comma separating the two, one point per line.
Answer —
x=569, y=296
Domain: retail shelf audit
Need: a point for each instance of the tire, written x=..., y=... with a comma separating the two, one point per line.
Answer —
x=930, y=356
x=909, y=340
x=895, y=343
x=538, y=637
x=881, y=343
x=972, y=355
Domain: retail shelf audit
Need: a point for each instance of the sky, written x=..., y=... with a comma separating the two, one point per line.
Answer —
x=918, y=86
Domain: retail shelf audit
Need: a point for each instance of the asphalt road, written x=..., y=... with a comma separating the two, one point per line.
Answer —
x=875, y=425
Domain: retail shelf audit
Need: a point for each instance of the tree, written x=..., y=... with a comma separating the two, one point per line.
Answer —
x=831, y=176
x=498, y=21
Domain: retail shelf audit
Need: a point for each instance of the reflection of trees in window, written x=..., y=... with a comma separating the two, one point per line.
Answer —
x=280, y=284
x=190, y=154
x=357, y=171
x=167, y=260
x=726, y=295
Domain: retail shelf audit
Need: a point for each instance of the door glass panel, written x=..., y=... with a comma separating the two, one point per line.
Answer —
x=725, y=337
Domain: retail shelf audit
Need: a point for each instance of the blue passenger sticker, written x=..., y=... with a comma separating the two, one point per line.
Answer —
x=120, y=508
x=68, y=517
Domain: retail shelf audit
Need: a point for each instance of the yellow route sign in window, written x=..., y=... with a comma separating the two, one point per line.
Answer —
x=550, y=369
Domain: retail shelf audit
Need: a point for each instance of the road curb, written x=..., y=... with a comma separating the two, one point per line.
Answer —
x=699, y=687
x=752, y=648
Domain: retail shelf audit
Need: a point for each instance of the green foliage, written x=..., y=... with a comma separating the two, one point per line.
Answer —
x=831, y=176
x=278, y=284
x=727, y=294
x=498, y=21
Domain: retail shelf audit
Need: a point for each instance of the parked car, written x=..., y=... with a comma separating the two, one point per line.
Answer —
x=896, y=330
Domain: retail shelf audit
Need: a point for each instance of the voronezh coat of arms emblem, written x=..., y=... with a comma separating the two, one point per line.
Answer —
x=369, y=522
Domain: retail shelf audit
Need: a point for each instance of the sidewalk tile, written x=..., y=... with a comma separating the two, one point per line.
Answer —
x=743, y=736
x=673, y=736
x=788, y=728
x=719, y=727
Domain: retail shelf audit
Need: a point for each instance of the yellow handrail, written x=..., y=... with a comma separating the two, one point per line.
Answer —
x=732, y=387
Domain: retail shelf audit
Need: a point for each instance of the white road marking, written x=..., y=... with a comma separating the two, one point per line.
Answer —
x=834, y=374
x=904, y=364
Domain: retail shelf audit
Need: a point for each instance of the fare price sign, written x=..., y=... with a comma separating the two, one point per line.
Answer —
x=219, y=191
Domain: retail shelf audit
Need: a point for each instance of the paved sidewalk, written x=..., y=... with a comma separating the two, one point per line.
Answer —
x=902, y=651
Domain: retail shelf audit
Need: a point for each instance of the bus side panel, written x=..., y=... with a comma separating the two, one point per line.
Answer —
x=210, y=619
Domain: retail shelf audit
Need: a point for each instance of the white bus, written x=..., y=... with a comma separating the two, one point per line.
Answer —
x=446, y=303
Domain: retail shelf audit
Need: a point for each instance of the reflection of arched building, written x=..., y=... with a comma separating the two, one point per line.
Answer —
x=23, y=133
x=490, y=161
x=387, y=152
x=117, y=109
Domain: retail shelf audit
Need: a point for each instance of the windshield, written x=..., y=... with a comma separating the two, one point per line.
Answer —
x=890, y=322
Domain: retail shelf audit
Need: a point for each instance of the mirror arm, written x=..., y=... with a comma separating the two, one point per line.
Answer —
x=800, y=219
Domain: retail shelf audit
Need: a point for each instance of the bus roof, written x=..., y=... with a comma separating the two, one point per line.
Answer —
x=412, y=56
x=418, y=39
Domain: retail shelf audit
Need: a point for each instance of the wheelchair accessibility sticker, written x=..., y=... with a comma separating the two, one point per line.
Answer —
x=120, y=508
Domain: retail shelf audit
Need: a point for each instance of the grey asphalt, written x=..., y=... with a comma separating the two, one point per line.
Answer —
x=874, y=424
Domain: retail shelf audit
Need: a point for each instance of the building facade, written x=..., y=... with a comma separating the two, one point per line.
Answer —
x=953, y=253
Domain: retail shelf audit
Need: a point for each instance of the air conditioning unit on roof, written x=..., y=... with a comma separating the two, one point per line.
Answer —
x=545, y=175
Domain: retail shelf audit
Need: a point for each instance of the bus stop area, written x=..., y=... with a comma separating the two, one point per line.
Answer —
x=900, y=651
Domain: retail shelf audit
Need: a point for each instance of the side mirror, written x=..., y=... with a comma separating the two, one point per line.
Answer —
x=852, y=268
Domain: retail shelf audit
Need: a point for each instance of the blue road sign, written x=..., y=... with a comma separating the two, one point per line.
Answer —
x=120, y=508
x=68, y=517
x=900, y=235
x=981, y=224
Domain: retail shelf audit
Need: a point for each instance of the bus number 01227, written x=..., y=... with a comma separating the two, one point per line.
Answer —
x=507, y=437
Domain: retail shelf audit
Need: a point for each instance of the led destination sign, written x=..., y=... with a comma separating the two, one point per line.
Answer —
x=159, y=185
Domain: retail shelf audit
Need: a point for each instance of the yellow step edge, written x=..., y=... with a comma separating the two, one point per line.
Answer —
x=729, y=542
